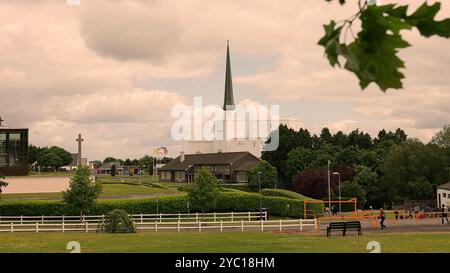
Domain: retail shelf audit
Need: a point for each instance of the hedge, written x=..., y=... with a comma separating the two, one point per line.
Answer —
x=228, y=201
x=283, y=193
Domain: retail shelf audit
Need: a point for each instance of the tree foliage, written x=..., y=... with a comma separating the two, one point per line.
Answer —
x=268, y=176
x=82, y=192
x=117, y=221
x=50, y=160
x=372, y=55
x=204, y=193
x=3, y=184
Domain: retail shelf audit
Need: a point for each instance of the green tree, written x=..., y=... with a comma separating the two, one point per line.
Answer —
x=268, y=176
x=419, y=189
x=352, y=189
x=298, y=160
x=372, y=55
x=110, y=159
x=204, y=193
x=442, y=138
x=65, y=156
x=82, y=192
x=409, y=161
x=3, y=184
x=113, y=170
x=50, y=160
x=33, y=153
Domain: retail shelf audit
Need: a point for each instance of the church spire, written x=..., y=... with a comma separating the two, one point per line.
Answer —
x=228, y=103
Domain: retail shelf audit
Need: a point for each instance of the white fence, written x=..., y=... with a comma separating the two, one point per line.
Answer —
x=138, y=218
x=262, y=225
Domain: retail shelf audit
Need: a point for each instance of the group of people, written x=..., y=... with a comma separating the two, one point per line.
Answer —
x=382, y=215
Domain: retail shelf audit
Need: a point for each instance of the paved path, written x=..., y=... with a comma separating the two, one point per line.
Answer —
x=36, y=184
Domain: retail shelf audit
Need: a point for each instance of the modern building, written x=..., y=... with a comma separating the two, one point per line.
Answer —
x=230, y=167
x=13, y=150
x=443, y=195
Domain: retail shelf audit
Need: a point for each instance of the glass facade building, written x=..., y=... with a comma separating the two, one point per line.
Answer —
x=13, y=151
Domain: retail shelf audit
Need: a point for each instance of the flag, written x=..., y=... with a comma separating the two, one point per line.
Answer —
x=160, y=151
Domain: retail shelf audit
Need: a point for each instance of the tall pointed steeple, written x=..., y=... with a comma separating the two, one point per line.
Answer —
x=228, y=103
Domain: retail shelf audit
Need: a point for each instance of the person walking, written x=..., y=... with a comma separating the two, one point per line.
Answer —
x=444, y=214
x=382, y=217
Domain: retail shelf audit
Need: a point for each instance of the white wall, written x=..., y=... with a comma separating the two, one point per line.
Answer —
x=444, y=200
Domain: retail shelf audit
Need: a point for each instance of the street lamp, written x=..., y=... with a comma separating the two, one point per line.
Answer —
x=260, y=195
x=329, y=188
x=157, y=205
x=339, y=174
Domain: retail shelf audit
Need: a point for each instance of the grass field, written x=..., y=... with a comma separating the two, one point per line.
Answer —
x=257, y=242
x=109, y=190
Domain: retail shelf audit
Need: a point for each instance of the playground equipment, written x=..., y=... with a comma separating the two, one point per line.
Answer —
x=353, y=201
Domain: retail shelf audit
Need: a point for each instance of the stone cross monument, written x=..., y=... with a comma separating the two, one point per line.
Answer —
x=1, y=120
x=79, y=140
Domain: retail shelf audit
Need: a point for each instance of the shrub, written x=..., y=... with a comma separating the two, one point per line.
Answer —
x=117, y=221
x=283, y=193
x=157, y=185
x=241, y=187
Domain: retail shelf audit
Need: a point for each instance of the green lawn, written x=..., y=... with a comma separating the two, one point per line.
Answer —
x=221, y=242
x=109, y=190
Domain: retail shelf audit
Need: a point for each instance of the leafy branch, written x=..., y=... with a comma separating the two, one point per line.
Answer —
x=372, y=55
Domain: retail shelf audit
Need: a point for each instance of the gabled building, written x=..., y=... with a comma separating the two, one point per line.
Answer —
x=443, y=195
x=229, y=167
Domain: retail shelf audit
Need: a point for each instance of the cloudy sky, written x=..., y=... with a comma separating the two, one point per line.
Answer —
x=113, y=70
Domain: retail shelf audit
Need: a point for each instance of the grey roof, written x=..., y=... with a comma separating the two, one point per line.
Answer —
x=202, y=159
x=445, y=186
x=228, y=103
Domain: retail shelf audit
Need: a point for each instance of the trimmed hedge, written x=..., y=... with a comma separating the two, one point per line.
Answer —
x=241, y=187
x=227, y=201
x=283, y=193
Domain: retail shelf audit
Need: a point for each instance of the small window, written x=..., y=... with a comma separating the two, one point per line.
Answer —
x=14, y=136
x=444, y=194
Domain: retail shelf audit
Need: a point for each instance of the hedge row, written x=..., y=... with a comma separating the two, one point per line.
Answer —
x=228, y=201
x=283, y=193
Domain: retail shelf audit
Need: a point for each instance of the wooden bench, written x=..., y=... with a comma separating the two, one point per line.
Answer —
x=344, y=227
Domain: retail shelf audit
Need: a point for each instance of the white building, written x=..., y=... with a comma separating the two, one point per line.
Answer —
x=235, y=133
x=443, y=195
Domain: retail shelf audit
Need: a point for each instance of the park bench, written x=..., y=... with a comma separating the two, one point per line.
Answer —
x=344, y=226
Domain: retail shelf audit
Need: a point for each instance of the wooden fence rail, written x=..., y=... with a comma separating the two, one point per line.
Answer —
x=138, y=218
x=156, y=226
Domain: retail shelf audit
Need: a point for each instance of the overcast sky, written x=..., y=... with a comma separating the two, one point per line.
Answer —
x=112, y=70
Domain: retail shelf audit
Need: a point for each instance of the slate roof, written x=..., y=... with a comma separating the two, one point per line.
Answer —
x=203, y=159
x=445, y=186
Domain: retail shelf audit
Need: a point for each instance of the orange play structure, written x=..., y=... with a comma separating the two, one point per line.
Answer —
x=353, y=201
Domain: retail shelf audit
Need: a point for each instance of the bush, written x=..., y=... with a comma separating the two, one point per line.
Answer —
x=241, y=187
x=227, y=201
x=156, y=185
x=117, y=221
x=283, y=193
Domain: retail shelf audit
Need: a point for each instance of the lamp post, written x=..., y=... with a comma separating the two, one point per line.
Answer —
x=329, y=187
x=339, y=174
x=260, y=196
x=188, y=205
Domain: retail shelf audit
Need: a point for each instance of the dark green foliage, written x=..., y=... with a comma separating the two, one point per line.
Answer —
x=373, y=54
x=82, y=192
x=50, y=160
x=283, y=193
x=353, y=189
x=410, y=166
x=204, y=193
x=113, y=170
x=117, y=221
x=3, y=184
x=268, y=175
x=226, y=201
